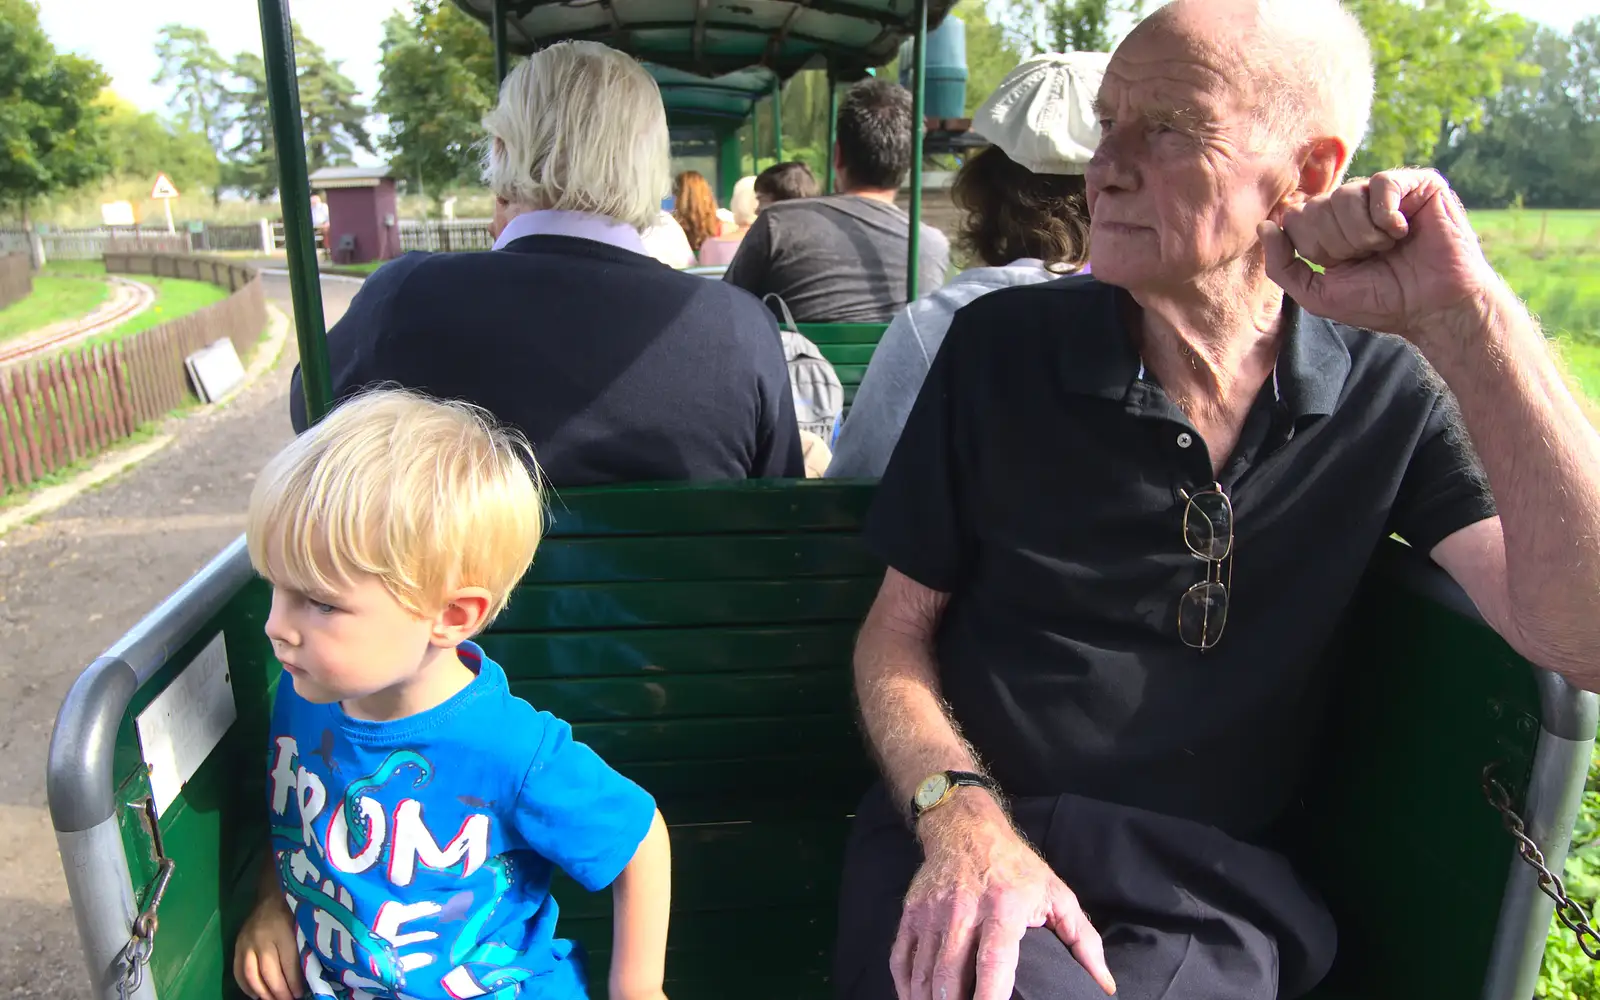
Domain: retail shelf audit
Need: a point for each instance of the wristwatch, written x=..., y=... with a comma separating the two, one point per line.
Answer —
x=937, y=788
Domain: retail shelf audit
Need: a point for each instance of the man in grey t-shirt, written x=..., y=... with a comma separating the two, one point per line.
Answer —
x=842, y=258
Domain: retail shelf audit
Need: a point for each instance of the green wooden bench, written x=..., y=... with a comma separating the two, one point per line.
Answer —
x=699, y=638
x=849, y=347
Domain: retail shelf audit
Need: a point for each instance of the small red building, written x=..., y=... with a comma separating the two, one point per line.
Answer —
x=363, y=216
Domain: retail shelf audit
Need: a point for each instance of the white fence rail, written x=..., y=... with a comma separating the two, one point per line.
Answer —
x=425, y=234
x=87, y=244
x=92, y=244
x=458, y=234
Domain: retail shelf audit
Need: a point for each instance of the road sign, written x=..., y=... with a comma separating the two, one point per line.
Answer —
x=163, y=188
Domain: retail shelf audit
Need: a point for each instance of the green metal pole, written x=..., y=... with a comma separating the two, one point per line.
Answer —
x=777, y=119
x=497, y=28
x=833, y=128
x=919, y=60
x=755, y=139
x=294, y=195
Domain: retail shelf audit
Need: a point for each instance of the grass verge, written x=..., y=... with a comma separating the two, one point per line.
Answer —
x=56, y=296
x=175, y=297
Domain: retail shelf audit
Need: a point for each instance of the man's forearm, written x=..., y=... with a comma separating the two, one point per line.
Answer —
x=907, y=723
x=1542, y=458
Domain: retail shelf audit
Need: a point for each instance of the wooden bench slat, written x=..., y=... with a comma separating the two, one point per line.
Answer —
x=753, y=557
x=848, y=354
x=730, y=866
x=742, y=778
x=744, y=694
x=731, y=948
x=645, y=605
x=718, y=739
x=656, y=652
x=850, y=374
x=756, y=506
x=842, y=333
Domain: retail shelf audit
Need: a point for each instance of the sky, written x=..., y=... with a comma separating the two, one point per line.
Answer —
x=121, y=34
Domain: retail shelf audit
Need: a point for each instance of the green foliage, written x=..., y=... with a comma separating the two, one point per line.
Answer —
x=142, y=145
x=252, y=166
x=1540, y=140
x=436, y=84
x=1569, y=974
x=51, y=134
x=1066, y=25
x=193, y=68
x=990, y=54
x=227, y=102
x=1436, y=63
x=335, y=121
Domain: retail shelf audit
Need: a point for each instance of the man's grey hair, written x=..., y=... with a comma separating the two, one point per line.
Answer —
x=1315, y=71
x=1309, y=61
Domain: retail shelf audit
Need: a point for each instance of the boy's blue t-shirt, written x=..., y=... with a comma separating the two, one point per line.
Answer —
x=417, y=854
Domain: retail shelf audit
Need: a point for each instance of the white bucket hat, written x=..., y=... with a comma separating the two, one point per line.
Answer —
x=1042, y=115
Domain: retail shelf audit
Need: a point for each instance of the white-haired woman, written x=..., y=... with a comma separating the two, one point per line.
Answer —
x=618, y=368
x=743, y=205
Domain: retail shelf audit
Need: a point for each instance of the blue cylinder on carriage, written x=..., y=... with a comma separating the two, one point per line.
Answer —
x=945, y=85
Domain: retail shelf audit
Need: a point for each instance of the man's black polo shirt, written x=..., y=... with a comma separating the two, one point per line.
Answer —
x=1037, y=482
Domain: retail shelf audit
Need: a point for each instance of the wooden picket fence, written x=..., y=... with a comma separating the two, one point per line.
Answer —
x=70, y=405
x=16, y=278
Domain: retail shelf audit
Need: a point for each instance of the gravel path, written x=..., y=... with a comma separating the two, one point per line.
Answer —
x=73, y=582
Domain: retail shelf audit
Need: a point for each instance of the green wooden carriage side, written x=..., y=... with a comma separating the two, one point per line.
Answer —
x=699, y=637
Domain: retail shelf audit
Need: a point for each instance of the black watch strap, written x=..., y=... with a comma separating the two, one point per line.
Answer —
x=972, y=779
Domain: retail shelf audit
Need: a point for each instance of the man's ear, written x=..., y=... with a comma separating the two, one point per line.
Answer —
x=1321, y=161
x=465, y=613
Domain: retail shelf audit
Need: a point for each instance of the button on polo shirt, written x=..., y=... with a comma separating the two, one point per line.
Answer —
x=1040, y=483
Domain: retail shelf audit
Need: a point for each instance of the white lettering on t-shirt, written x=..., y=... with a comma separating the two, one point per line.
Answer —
x=413, y=844
x=283, y=765
x=391, y=915
x=339, y=838
x=312, y=796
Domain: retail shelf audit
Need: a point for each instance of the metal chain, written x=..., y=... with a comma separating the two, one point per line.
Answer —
x=135, y=955
x=1550, y=883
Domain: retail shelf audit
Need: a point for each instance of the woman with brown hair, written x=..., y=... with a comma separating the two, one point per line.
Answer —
x=1026, y=222
x=695, y=208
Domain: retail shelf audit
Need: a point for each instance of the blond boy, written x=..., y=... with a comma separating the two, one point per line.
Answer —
x=418, y=810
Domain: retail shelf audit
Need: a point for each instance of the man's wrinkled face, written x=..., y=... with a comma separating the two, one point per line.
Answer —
x=1183, y=173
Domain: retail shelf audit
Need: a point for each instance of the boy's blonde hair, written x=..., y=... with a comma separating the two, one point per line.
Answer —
x=428, y=496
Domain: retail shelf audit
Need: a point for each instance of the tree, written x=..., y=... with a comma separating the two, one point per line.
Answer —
x=142, y=145
x=435, y=86
x=228, y=102
x=990, y=54
x=252, y=164
x=1066, y=25
x=1436, y=65
x=197, y=74
x=51, y=134
x=335, y=121
x=1540, y=136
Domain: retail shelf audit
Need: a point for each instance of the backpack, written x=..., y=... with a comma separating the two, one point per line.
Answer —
x=818, y=394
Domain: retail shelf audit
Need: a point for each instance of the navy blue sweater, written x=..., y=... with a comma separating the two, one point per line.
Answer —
x=616, y=367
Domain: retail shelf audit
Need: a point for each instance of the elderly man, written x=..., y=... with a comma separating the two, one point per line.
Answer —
x=1127, y=512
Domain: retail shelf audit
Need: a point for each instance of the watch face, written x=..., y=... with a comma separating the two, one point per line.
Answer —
x=932, y=789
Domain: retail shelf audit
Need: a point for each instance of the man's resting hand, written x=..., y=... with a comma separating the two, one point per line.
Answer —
x=980, y=887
